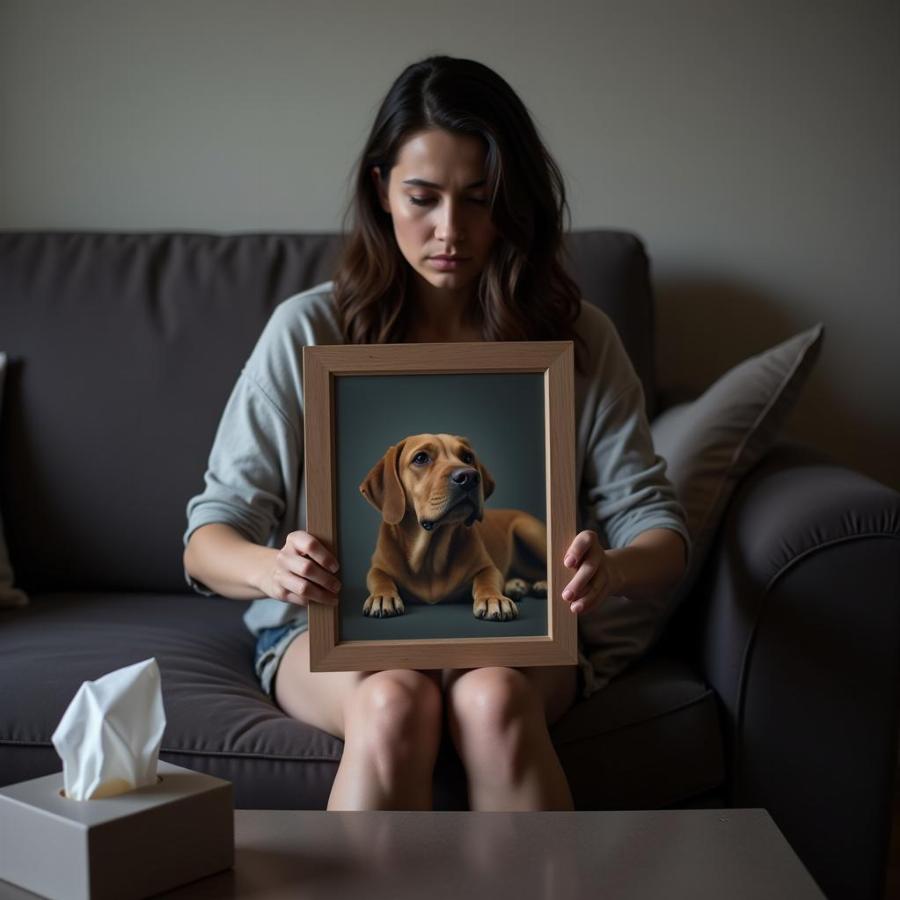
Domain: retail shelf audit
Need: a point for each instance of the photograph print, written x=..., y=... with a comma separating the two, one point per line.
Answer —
x=440, y=485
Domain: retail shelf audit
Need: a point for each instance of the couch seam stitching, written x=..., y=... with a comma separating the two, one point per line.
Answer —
x=890, y=535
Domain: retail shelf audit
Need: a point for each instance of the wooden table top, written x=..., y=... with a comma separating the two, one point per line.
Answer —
x=694, y=853
x=624, y=855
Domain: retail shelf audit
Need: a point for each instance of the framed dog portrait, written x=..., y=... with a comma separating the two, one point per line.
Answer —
x=442, y=477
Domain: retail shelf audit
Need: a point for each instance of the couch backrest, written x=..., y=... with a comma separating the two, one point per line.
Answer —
x=123, y=349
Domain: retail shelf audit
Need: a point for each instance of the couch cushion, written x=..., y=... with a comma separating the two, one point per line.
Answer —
x=709, y=445
x=649, y=739
x=10, y=595
x=712, y=442
x=218, y=720
x=123, y=349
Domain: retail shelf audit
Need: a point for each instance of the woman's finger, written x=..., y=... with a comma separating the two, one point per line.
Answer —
x=306, y=591
x=577, y=549
x=599, y=582
x=305, y=544
x=304, y=567
x=280, y=592
x=579, y=583
x=591, y=599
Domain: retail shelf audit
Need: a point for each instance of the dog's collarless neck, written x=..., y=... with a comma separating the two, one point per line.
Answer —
x=427, y=552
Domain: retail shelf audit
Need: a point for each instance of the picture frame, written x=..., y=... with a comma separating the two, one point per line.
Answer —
x=406, y=447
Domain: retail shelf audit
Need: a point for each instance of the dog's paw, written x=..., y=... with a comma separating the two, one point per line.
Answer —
x=539, y=589
x=497, y=608
x=383, y=605
x=516, y=588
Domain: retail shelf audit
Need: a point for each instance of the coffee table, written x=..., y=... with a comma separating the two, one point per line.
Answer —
x=734, y=853
x=694, y=853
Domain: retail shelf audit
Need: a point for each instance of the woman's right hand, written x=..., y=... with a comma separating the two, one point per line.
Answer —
x=302, y=572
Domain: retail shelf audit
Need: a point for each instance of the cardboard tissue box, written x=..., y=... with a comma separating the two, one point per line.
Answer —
x=116, y=822
x=132, y=845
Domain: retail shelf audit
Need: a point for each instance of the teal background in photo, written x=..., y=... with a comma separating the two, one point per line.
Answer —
x=502, y=415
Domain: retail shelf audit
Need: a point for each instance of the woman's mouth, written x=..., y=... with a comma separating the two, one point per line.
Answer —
x=444, y=264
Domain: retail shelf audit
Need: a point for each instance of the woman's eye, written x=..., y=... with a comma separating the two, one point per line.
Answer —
x=420, y=457
x=426, y=201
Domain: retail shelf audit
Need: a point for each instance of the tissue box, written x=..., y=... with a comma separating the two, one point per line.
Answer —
x=133, y=845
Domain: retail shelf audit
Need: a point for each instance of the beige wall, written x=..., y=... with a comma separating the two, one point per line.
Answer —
x=753, y=146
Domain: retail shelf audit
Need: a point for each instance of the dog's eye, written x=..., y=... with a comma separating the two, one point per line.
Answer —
x=420, y=458
x=467, y=457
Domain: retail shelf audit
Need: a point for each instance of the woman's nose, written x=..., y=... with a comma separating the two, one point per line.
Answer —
x=450, y=224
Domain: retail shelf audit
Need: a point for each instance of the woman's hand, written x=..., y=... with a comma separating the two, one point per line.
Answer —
x=597, y=573
x=302, y=572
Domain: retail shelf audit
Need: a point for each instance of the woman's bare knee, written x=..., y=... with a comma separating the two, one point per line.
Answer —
x=326, y=700
x=396, y=715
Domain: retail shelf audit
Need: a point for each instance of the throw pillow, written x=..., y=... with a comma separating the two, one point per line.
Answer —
x=709, y=444
x=9, y=596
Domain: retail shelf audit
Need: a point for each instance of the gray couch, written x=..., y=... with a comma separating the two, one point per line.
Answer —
x=774, y=686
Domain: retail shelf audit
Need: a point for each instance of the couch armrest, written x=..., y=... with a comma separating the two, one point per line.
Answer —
x=800, y=636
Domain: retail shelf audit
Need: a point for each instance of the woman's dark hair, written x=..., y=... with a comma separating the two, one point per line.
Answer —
x=524, y=291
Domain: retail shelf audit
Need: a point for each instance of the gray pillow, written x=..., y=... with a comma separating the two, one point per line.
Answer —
x=9, y=596
x=709, y=444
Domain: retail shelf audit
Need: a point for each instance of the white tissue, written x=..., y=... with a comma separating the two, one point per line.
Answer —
x=110, y=734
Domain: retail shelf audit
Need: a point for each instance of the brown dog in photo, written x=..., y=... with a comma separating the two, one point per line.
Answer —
x=436, y=539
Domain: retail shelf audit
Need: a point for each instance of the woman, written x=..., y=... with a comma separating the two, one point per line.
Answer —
x=456, y=235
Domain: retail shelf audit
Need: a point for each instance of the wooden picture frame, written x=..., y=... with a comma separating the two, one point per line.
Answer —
x=366, y=402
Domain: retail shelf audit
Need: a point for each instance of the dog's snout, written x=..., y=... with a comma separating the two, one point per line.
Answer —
x=467, y=478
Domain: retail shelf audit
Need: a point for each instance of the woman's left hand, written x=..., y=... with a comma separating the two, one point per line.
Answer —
x=597, y=574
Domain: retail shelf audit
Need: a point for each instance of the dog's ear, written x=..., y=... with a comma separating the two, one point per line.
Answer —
x=382, y=487
x=486, y=480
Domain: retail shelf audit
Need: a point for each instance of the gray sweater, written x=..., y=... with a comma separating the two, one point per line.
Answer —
x=254, y=479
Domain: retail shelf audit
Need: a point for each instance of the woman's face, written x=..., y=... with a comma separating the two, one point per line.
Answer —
x=438, y=200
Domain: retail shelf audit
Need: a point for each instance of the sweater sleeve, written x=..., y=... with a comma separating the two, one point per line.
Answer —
x=254, y=477
x=627, y=490
x=254, y=453
x=256, y=457
x=624, y=489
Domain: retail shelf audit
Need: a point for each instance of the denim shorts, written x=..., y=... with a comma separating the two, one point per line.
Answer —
x=271, y=644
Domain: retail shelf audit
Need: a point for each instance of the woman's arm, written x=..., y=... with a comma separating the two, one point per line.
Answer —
x=221, y=558
x=652, y=563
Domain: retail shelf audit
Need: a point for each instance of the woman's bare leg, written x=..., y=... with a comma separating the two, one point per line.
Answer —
x=499, y=719
x=390, y=723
